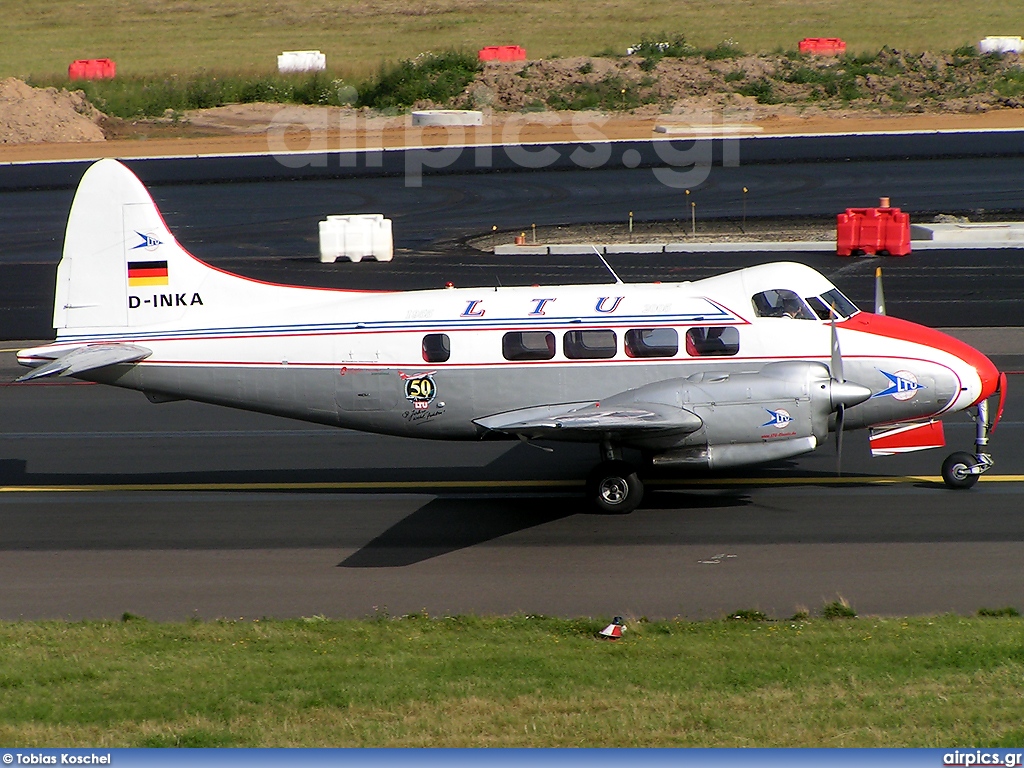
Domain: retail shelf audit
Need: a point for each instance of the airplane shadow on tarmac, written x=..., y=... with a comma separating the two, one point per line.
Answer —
x=445, y=525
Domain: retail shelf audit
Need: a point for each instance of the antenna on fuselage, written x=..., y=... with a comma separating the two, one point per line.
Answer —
x=607, y=265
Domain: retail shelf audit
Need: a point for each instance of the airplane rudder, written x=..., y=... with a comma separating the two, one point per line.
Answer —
x=116, y=241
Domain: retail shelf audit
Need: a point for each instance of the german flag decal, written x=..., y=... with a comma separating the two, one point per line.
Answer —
x=147, y=273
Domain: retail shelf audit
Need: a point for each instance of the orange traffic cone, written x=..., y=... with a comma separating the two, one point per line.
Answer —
x=614, y=630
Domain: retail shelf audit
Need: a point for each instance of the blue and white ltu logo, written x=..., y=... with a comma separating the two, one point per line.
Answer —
x=780, y=418
x=149, y=242
x=903, y=385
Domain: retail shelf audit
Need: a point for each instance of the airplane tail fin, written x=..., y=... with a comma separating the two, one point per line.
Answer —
x=115, y=240
x=122, y=271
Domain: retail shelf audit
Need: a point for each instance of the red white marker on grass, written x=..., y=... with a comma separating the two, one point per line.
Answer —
x=614, y=630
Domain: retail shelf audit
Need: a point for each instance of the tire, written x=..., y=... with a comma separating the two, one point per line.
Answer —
x=614, y=487
x=956, y=471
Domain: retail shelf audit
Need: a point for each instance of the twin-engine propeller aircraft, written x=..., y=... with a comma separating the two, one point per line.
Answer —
x=738, y=369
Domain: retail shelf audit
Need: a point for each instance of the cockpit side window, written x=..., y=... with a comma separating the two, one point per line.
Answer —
x=780, y=302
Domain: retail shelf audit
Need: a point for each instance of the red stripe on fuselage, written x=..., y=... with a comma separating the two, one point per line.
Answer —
x=894, y=328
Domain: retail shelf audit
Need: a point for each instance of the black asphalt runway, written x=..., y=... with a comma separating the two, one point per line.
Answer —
x=269, y=230
x=110, y=504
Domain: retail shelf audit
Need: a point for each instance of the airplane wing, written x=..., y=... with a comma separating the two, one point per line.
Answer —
x=88, y=358
x=589, y=420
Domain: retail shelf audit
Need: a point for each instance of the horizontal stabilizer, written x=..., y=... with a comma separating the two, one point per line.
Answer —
x=88, y=358
x=905, y=438
x=583, y=419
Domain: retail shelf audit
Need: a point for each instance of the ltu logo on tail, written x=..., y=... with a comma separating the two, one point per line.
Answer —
x=903, y=385
x=149, y=242
x=780, y=418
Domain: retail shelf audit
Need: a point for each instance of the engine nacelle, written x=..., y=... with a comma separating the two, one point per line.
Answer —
x=782, y=410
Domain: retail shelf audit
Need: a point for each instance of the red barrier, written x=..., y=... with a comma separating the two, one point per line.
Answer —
x=873, y=230
x=502, y=53
x=823, y=46
x=92, y=69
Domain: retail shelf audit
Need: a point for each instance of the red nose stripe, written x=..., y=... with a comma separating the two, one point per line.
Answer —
x=894, y=328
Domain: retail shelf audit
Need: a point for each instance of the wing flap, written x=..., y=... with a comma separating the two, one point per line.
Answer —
x=88, y=358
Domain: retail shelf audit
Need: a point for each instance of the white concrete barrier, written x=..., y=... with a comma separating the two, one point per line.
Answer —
x=1001, y=45
x=301, y=61
x=447, y=117
x=994, y=232
x=355, y=237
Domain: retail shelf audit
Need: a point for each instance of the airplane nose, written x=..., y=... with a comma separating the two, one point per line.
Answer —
x=989, y=375
x=847, y=394
x=883, y=325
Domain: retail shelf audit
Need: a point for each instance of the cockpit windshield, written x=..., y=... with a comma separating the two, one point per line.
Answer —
x=782, y=302
x=832, y=304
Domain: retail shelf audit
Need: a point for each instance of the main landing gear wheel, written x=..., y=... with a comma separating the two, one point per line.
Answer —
x=956, y=470
x=615, y=487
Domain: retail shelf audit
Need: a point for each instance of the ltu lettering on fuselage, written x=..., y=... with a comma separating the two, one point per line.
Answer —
x=165, y=300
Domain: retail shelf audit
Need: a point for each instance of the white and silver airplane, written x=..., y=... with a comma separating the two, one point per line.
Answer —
x=733, y=370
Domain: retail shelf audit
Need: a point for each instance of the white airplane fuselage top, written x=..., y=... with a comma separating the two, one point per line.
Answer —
x=662, y=367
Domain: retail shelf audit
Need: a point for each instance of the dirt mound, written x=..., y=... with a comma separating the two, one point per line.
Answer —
x=890, y=81
x=30, y=115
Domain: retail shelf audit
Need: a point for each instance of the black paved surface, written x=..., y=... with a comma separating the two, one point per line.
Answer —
x=907, y=548
x=268, y=230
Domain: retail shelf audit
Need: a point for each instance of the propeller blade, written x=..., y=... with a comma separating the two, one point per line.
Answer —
x=840, y=419
x=879, y=295
x=836, y=363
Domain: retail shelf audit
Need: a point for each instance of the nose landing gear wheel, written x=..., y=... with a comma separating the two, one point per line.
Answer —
x=956, y=470
x=614, y=487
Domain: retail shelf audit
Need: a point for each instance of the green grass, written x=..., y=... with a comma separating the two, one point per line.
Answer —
x=521, y=681
x=435, y=77
x=163, y=37
x=149, y=96
x=438, y=77
x=609, y=94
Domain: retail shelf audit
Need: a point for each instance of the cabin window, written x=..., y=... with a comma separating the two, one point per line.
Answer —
x=721, y=341
x=652, y=342
x=436, y=348
x=528, y=345
x=589, y=345
x=780, y=302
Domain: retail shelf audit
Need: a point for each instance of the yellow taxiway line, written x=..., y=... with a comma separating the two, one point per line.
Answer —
x=427, y=485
